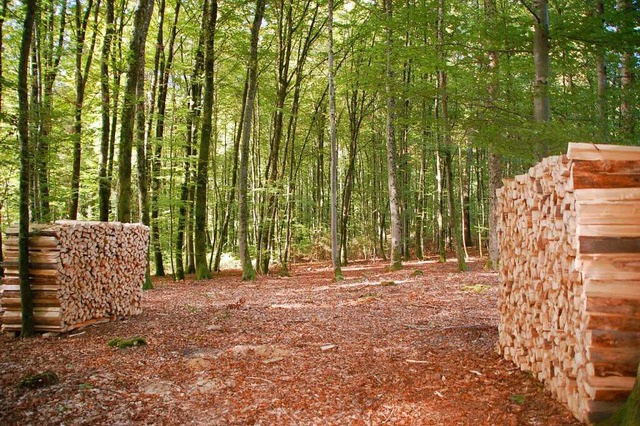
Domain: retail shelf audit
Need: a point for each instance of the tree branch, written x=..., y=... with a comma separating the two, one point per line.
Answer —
x=530, y=9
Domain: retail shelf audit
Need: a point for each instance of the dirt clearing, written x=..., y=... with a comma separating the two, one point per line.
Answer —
x=414, y=347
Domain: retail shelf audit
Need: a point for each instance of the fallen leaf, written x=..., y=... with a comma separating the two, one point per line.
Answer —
x=477, y=373
x=272, y=360
x=327, y=347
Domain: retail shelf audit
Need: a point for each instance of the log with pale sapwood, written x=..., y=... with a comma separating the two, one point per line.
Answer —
x=80, y=273
x=569, y=235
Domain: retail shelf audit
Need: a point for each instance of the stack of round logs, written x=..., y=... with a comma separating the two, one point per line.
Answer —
x=570, y=272
x=80, y=273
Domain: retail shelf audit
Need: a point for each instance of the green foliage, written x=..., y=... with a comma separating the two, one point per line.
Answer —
x=518, y=399
x=477, y=288
x=478, y=121
x=124, y=343
x=39, y=380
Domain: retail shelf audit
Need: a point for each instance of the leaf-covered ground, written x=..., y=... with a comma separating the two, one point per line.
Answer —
x=414, y=347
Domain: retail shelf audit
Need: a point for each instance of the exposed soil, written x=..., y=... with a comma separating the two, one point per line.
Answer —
x=401, y=348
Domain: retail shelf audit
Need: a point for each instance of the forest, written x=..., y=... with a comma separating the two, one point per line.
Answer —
x=271, y=132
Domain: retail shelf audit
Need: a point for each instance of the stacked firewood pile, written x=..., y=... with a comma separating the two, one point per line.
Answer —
x=570, y=275
x=80, y=273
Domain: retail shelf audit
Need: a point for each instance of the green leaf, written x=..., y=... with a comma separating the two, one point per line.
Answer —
x=518, y=399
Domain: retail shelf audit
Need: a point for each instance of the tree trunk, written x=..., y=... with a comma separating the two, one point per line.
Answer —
x=601, y=67
x=335, y=248
x=3, y=13
x=82, y=73
x=165, y=72
x=104, y=183
x=495, y=160
x=183, y=234
x=454, y=219
x=224, y=227
x=135, y=62
x=541, y=109
x=629, y=413
x=26, y=298
x=200, y=246
x=628, y=109
x=51, y=56
x=396, y=235
x=248, y=272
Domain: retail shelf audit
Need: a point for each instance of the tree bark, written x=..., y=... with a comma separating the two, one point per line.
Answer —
x=135, y=61
x=165, y=72
x=454, y=219
x=224, y=227
x=601, y=67
x=200, y=246
x=248, y=272
x=541, y=108
x=335, y=248
x=495, y=160
x=629, y=413
x=82, y=74
x=396, y=233
x=104, y=183
x=628, y=109
x=184, y=210
x=3, y=14
x=51, y=56
x=26, y=298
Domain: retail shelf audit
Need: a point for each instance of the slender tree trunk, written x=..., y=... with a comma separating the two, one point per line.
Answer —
x=3, y=14
x=104, y=183
x=420, y=197
x=26, y=297
x=52, y=54
x=141, y=151
x=116, y=59
x=224, y=228
x=248, y=272
x=335, y=248
x=183, y=234
x=541, y=109
x=394, y=204
x=165, y=72
x=454, y=219
x=601, y=67
x=495, y=160
x=135, y=61
x=200, y=247
x=628, y=108
x=82, y=73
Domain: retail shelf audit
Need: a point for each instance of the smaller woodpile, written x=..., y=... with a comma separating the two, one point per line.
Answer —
x=80, y=273
x=569, y=237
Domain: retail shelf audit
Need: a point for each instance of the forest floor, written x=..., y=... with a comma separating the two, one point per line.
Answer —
x=401, y=348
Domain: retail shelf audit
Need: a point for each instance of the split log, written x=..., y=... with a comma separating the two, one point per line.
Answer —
x=569, y=233
x=85, y=272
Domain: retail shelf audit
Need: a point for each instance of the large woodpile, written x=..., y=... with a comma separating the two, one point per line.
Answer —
x=80, y=273
x=570, y=275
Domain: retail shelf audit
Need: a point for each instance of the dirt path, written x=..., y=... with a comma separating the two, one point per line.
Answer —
x=415, y=348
